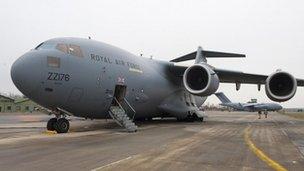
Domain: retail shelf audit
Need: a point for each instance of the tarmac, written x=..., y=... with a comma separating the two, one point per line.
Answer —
x=224, y=141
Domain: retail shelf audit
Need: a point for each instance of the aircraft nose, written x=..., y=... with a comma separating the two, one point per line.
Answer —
x=26, y=73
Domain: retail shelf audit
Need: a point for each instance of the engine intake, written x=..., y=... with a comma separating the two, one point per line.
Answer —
x=200, y=80
x=280, y=86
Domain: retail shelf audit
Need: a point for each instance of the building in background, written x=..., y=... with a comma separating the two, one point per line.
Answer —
x=9, y=105
x=293, y=110
x=25, y=105
x=253, y=101
x=6, y=104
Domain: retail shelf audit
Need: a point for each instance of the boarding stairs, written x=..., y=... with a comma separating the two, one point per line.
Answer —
x=120, y=116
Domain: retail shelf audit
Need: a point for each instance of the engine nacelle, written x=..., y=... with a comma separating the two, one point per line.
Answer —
x=201, y=80
x=280, y=86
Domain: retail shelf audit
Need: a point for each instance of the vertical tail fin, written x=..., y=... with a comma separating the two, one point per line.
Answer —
x=222, y=97
x=200, y=57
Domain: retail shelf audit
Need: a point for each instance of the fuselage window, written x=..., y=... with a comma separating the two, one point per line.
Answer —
x=62, y=47
x=53, y=62
x=75, y=50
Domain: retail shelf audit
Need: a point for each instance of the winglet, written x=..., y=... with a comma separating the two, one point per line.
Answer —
x=200, y=56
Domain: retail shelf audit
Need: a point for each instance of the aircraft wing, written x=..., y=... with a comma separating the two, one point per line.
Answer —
x=249, y=104
x=230, y=76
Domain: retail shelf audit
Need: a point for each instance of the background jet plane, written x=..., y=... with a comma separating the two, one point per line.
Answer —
x=91, y=79
x=250, y=107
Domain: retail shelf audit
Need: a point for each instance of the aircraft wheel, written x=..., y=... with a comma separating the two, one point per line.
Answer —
x=62, y=125
x=51, y=124
x=190, y=119
x=200, y=119
x=180, y=119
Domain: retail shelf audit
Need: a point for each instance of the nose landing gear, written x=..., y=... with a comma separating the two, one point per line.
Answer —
x=51, y=124
x=60, y=125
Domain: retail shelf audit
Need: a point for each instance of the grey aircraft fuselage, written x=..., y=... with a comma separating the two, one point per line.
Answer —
x=253, y=107
x=250, y=106
x=80, y=76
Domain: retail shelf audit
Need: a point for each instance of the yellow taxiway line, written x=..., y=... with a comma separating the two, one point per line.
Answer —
x=49, y=132
x=273, y=164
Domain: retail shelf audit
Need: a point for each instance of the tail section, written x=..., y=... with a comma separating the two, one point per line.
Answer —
x=222, y=97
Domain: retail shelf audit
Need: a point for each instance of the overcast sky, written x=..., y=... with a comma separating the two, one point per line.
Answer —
x=270, y=33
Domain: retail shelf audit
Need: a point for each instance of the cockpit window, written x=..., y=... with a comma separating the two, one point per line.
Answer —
x=62, y=47
x=65, y=48
x=75, y=50
x=38, y=46
x=45, y=45
x=70, y=49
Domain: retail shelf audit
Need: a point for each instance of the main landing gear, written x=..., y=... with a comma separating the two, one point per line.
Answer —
x=191, y=118
x=265, y=113
x=260, y=113
x=60, y=125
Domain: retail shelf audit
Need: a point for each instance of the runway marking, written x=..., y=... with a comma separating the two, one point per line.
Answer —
x=273, y=164
x=155, y=156
x=113, y=163
x=44, y=135
x=49, y=132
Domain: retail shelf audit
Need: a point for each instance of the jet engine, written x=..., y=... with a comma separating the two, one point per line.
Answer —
x=201, y=80
x=280, y=86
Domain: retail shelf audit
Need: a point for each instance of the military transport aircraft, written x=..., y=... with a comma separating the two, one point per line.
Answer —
x=250, y=106
x=91, y=79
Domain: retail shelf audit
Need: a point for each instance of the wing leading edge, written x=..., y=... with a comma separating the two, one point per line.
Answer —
x=225, y=76
x=230, y=76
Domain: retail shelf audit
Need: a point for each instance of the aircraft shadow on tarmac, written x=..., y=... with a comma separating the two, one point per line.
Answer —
x=110, y=125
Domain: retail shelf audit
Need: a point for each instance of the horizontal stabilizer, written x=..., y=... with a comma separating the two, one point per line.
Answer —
x=208, y=54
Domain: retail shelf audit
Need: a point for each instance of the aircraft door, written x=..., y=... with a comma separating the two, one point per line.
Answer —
x=101, y=78
x=119, y=93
